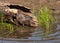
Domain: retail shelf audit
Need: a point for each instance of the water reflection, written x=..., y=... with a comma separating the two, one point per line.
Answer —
x=45, y=32
x=21, y=32
x=35, y=33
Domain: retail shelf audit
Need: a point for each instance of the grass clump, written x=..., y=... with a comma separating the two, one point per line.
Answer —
x=4, y=25
x=45, y=17
x=46, y=20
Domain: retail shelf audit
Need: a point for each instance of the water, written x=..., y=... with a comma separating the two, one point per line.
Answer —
x=36, y=37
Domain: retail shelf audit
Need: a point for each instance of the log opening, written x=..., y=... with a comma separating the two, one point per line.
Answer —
x=20, y=8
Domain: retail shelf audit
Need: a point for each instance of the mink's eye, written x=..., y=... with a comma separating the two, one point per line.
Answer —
x=14, y=17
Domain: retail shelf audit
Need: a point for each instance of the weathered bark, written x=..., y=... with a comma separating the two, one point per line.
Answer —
x=19, y=15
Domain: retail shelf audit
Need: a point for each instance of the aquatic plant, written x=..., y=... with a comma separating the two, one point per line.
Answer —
x=4, y=25
x=46, y=19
